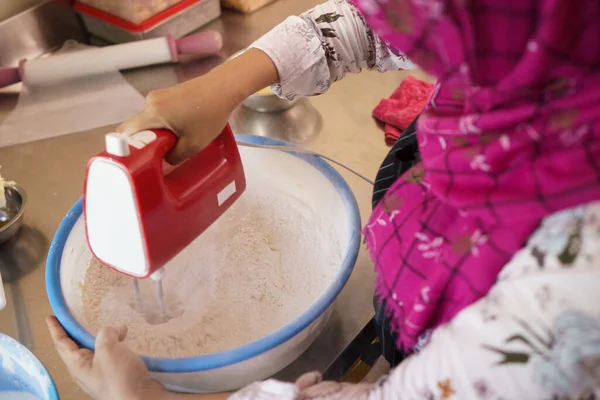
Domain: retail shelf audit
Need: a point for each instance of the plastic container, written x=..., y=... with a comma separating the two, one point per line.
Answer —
x=124, y=21
x=136, y=11
x=245, y=6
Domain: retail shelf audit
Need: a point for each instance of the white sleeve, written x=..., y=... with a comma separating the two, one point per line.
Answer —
x=513, y=344
x=535, y=335
x=318, y=47
x=510, y=345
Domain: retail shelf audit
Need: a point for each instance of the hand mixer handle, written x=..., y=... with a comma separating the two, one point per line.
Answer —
x=206, y=172
x=194, y=194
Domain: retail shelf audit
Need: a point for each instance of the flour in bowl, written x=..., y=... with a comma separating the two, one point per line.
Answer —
x=259, y=266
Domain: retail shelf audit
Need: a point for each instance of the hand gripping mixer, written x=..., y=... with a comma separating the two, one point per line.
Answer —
x=139, y=215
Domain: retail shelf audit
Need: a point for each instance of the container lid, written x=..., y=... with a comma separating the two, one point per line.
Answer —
x=131, y=26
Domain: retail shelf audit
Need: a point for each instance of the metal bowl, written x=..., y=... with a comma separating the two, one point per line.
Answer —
x=266, y=103
x=11, y=216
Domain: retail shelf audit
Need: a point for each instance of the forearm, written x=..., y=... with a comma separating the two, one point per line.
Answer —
x=239, y=77
x=250, y=72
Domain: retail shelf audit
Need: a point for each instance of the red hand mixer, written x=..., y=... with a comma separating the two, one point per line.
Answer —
x=137, y=216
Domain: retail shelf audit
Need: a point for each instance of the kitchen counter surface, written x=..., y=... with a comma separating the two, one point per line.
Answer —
x=337, y=124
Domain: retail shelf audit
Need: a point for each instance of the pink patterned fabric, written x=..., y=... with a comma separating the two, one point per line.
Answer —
x=510, y=135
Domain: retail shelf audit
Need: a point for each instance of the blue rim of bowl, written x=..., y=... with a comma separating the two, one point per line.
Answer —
x=237, y=354
x=52, y=392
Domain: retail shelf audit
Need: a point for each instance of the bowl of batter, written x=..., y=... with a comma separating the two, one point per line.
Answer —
x=245, y=299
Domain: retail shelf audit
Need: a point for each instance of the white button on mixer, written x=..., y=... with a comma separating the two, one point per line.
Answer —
x=116, y=144
x=136, y=143
x=145, y=137
x=141, y=139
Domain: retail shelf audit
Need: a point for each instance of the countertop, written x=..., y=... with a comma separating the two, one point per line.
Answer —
x=337, y=124
x=13, y=7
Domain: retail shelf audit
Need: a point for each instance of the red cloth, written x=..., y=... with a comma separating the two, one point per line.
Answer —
x=396, y=113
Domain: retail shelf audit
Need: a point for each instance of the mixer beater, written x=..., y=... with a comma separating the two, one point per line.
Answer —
x=158, y=277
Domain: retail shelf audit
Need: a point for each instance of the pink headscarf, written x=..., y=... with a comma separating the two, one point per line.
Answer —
x=511, y=134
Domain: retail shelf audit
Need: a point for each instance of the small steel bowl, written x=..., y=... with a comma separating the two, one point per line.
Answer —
x=265, y=103
x=11, y=216
x=268, y=103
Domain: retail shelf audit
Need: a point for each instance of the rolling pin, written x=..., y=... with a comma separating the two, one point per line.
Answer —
x=100, y=60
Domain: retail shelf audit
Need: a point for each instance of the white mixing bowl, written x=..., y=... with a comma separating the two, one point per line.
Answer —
x=314, y=182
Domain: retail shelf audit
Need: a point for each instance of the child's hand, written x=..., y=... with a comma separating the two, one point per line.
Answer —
x=114, y=372
x=197, y=110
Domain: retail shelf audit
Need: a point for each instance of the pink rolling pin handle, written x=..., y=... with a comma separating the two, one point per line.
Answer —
x=9, y=76
x=203, y=44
